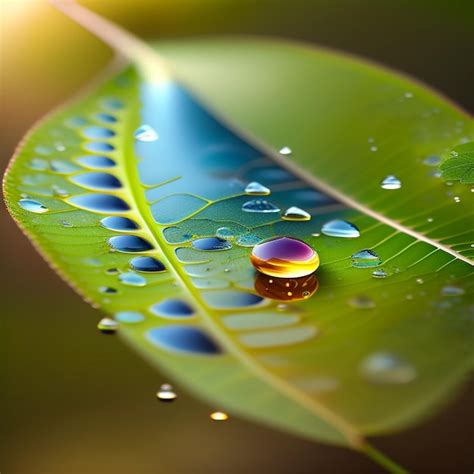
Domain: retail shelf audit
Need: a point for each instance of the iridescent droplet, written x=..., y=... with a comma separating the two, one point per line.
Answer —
x=379, y=273
x=129, y=243
x=362, y=302
x=296, y=214
x=32, y=206
x=172, y=308
x=284, y=257
x=257, y=189
x=391, y=182
x=259, y=205
x=107, y=326
x=145, y=133
x=147, y=265
x=286, y=150
x=452, y=291
x=387, y=368
x=132, y=279
x=166, y=393
x=365, y=259
x=211, y=244
x=219, y=416
x=340, y=228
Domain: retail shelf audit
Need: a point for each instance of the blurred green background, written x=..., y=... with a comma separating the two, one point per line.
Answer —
x=74, y=402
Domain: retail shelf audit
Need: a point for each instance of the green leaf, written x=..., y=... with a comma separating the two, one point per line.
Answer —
x=460, y=166
x=380, y=344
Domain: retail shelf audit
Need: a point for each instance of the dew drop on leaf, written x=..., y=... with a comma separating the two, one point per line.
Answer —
x=379, y=273
x=97, y=181
x=99, y=147
x=107, y=326
x=147, y=265
x=172, y=308
x=96, y=161
x=259, y=205
x=362, y=302
x=296, y=214
x=257, y=189
x=365, y=259
x=119, y=223
x=224, y=233
x=132, y=279
x=211, y=244
x=103, y=203
x=286, y=150
x=391, y=182
x=98, y=132
x=452, y=291
x=145, y=133
x=129, y=243
x=166, y=393
x=340, y=228
x=33, y=206
x=387, y=368
x=219, y=416
x=129, y=317
x=284, y=257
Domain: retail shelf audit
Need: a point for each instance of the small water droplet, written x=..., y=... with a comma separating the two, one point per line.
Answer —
x=96, y=161
x=132, y=279
x=129, y=243
x=103, y=203
x=107, y=326
x=391, y=182
x=172, y=308
x=98, y=132
x=112, y=271
x=119, y=223
x=386, y=368
x=408, y=95
x=166, y=393
x=371, y=139
x=259, y=205
x=340, y=228
x=457, y=199
x=362, y=302
x=129, y=317
x=60, y=147
x=32, y=206
x=420, y=281
x=75, y=122
x=255, y=188
x=365, y=258
x=66, y=224
x=219, y=416
x=430, y=219
x=286, y=150
x=211, y=244
x=107, y=290
x=184, y=339
x=147, y=265
x=113, y=103
x=63, y=167
x=374, y=148
x=224, y=233
x=97, y=181
x=38, y=164
x=145, y=133
x=454, y=154
x=452, y=291
x=296, y=214
x=107, y=118
x=284, y=257
x=379, y=273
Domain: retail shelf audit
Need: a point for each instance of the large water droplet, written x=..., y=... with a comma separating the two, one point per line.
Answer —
x=257, y=189
x=147, y=265
x=172, y=308
x=32, y=206
x=98, y=132
x=166, y=393
x=132, y=279
x=96, y=161
x=119, y=223
x=129, y=243
x=99, y=147
x=365, y=258
x=99, y=181
x=145, y=133
x=211, y=244
x=129, y=317
x=386, y=368
x=286, y=289
x=391, y=182
x=296, y=214
x=103, y=203
x=107, y=326
x=340, y=228
x=286, y=150
x=259, y=205
x=284, y=257
x=452, y=291
x=187, y=339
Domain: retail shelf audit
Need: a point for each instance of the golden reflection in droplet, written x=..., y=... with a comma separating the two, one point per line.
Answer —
x=219, y=416
x=286, y=289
